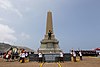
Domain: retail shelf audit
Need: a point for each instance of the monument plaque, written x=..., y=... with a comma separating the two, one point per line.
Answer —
x=50, y=57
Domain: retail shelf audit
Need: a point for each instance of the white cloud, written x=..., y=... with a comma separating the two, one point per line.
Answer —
x=25, y=36
x=7, y=5
x=6, y=33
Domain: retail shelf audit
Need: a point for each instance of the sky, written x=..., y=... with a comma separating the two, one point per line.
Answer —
x=76, y=23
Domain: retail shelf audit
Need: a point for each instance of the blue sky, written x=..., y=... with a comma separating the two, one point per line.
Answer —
x=76, y=23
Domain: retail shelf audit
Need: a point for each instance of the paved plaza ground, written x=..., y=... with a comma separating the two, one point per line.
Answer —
x=87, y=62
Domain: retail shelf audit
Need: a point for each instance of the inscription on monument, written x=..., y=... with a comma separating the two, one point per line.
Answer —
x=50, y=45
x=50, y=57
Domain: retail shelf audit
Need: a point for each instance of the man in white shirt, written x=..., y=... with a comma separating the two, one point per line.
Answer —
x=61, y=57
x=26, y=54
x=40, y=57
x=80, y=54
x=22, y=56
x=74, y=56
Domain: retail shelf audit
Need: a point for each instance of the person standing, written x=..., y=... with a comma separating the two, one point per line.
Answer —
x=26, y=54
x=80, y=54
x=40, y=57
x=74, y=56
x=61, y=57
x=23, y=56
x=49, y=34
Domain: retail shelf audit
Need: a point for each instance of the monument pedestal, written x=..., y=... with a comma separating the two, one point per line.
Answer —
x=49, y=46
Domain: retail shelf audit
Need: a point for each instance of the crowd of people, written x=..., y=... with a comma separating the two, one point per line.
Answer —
x=74, y=55
x=21, y=55
x=15, y=54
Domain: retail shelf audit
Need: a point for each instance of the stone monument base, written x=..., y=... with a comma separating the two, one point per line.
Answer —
x=49, y=46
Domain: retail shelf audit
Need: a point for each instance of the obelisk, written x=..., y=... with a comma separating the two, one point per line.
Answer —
x=49, y=44
x=49, y=25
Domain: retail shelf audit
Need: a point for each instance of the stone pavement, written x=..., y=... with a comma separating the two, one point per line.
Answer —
x=87, y=62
